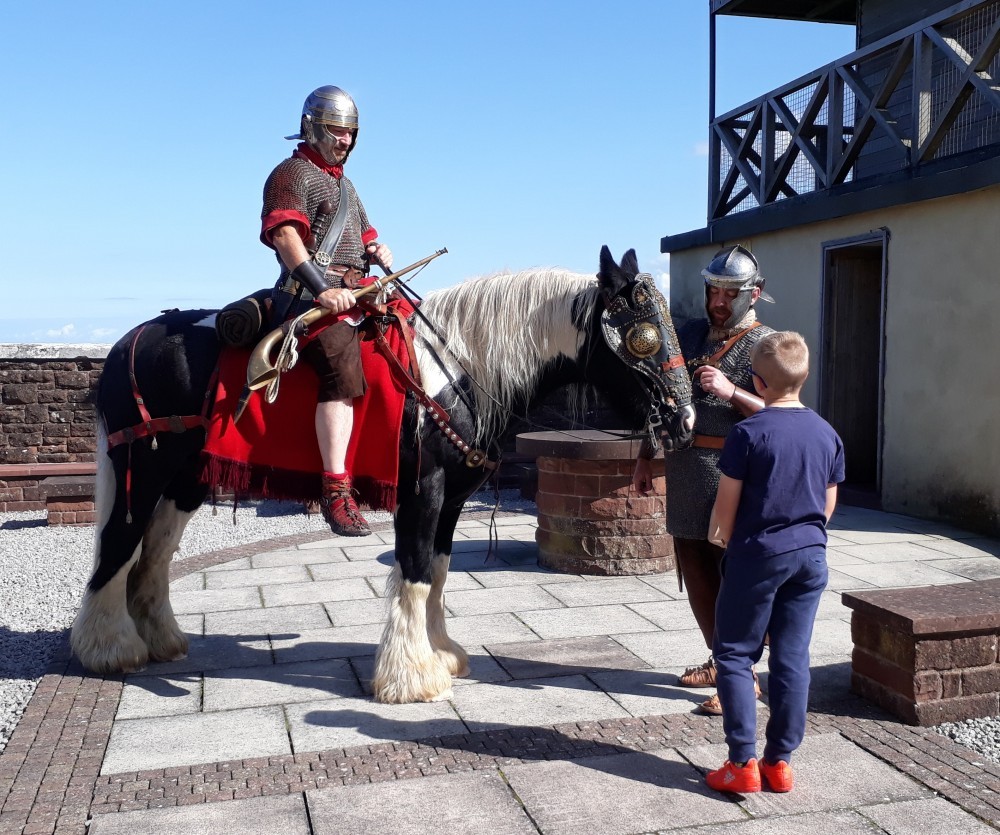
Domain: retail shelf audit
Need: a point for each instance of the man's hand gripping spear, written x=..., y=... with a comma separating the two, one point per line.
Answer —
x=262, y=372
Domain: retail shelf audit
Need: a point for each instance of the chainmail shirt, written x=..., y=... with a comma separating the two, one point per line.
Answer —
x=692, y=474
x=298, y=186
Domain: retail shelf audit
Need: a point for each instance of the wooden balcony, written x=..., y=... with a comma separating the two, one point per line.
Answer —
x=898, y=108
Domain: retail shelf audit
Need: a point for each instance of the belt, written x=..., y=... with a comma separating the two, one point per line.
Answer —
x=351, y=279
x=708, y=441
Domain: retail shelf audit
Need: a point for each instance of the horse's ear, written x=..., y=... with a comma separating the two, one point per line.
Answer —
x=630, y=263
x=610, y=276
x=608, y=264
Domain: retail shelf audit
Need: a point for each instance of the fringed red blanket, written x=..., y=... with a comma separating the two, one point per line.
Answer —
x=272, y=451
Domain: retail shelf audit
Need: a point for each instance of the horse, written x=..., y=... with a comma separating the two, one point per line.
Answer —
x=488, y=349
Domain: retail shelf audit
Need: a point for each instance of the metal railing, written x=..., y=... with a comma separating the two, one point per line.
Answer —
x=927, y=92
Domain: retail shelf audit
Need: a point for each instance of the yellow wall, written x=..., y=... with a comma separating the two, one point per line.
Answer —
x=941, y=449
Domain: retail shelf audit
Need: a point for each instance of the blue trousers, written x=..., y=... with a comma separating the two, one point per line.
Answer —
x=775, y=598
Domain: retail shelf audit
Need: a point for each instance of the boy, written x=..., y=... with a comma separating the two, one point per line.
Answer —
x=780, y=469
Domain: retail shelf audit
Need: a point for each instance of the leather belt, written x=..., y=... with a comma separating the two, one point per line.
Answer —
x=708, y=441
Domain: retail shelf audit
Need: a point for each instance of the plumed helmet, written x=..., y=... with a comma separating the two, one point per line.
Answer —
x=735, y=268
x=325, y=106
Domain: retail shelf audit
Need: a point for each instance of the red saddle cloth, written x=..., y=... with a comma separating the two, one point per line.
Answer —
x=272, y=452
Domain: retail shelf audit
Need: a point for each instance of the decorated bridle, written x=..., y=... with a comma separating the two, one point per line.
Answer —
x=632, y=324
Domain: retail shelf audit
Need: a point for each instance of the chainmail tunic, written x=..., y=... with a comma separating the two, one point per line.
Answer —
x=298, y=185
x=692, y=474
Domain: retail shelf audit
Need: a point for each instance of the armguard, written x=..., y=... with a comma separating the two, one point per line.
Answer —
x=311, y=276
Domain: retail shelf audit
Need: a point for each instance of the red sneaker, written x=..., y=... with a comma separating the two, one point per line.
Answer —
x=732, y=778
x=779, y=777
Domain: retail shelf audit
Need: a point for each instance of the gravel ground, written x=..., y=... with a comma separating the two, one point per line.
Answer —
x=43, y=571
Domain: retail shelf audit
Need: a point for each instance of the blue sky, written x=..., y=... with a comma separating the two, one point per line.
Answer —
x=135, y=138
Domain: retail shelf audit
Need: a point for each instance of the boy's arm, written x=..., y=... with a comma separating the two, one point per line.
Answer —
x=727, y=500
x=831, y=500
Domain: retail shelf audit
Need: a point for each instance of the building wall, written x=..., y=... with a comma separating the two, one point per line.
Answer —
x=941, y=451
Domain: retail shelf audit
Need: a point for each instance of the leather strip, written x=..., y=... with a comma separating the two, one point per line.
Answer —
x=708, y=441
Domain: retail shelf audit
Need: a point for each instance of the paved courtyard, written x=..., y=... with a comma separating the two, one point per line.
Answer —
x=571, y=720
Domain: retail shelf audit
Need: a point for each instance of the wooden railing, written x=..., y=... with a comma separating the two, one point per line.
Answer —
x=926, y=93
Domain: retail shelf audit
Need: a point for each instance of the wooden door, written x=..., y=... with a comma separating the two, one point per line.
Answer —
x=852, y=360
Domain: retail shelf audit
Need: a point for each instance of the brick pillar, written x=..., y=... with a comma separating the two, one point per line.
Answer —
x=590, y=520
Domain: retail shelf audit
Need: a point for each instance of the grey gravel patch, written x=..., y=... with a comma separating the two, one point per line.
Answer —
x=981, y=735
x=45, y=568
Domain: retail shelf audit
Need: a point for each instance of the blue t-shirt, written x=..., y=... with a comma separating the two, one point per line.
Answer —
x=785, y=459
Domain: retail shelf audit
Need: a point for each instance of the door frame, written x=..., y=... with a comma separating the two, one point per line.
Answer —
x=881, y=237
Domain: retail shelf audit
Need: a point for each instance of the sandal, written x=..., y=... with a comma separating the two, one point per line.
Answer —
x=713, y=707
x=703, y=676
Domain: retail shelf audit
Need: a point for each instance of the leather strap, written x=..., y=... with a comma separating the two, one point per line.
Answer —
x=736, y=337
x=708, y=442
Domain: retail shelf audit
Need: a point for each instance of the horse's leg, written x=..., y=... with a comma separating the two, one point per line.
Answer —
x=104, y=636
x=407, y=668
x=451, y=654
x=148, y=589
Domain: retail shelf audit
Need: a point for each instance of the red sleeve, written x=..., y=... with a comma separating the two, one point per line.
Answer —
x=278, y=217
x=369, y=235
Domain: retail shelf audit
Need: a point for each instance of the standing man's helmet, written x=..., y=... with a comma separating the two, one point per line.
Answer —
x=735, y=268
x=324, y=106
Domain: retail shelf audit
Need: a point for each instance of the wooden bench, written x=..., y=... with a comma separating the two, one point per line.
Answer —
x=590, y=520
x=929, y=654
x=69, y=499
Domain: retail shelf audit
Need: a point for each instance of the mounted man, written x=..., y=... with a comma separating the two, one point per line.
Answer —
x=313, y=219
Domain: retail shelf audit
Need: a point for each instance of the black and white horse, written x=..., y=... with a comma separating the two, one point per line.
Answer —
x=488, y=349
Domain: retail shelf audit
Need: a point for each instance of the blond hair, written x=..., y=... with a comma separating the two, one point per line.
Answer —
x=782, y=360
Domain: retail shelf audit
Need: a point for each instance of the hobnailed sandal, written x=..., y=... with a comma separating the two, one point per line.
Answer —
x=703, y=676
x=339, y=508
x=713, y=706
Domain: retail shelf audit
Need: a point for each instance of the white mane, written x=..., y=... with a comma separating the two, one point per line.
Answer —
x=504, y=328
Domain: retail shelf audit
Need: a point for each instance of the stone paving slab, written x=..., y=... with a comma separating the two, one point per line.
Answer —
x=257, y=816
x=290, y=594
x=618, y=795
x=678, y=649
x=140, y=744
x=569, y=656
x=273, y=620
x=610, y=590
x=666, y=614
x=279, y=684
x=934, y=816
x=464, y=804
x=342, y=723
x=145, y=696
x=299, y=556
x=493, y=601
x=584, y=621
x=257, y=577
x=542, y=701
x=332, y=642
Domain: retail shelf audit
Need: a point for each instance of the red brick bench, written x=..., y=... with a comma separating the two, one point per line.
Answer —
x=928, y=654
x=590, y=520
x=69, y=500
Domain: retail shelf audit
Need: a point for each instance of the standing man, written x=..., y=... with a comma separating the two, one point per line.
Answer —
x=718, y=358
x=314, y=221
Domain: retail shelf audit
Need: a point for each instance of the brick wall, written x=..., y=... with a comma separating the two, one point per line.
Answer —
x=46, y=414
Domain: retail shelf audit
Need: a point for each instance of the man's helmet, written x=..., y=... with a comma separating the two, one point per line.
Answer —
x=735, y=268
x=324, y=106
